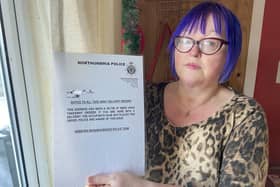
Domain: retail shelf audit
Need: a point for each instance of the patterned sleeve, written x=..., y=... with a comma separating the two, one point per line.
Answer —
x=152, y=95
x=245, y=156
x=148, y=96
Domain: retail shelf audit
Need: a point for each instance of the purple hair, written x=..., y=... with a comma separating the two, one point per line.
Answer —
x=197, y=18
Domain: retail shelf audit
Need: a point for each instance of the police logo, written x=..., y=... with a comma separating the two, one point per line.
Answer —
x=131, y=69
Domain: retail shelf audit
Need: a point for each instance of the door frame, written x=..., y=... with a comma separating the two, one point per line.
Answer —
x=254, y=47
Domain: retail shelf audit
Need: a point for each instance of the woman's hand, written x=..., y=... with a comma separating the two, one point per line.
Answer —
x=121, y=179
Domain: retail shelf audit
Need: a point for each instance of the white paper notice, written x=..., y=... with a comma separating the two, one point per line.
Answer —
x=98, y=115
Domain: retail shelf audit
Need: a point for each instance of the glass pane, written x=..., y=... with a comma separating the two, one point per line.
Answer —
x=8, y=169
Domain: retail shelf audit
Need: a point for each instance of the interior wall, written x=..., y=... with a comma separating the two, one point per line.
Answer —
x=267, y=91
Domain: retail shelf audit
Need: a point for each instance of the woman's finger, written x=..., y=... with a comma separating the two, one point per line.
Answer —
x=97, y=185
x=91, y=185
x=99, y=179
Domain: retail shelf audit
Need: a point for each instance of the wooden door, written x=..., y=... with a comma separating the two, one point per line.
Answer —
x=154, y=16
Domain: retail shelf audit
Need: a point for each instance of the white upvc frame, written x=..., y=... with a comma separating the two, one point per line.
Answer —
x=254, y=47
x=21, y=117
x=34, y=97
x=26, y=95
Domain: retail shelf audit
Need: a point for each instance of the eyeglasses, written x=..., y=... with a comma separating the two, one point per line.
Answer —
x=208, y=46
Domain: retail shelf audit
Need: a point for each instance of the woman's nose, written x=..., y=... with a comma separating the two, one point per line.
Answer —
x=195, y=51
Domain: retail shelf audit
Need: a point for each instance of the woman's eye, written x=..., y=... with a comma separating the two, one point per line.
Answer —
x=210, y=43
x=187, y=42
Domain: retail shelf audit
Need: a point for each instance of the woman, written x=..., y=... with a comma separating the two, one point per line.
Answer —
x=200, y=133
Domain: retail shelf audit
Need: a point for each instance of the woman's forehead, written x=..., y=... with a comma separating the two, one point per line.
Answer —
x=206, y=27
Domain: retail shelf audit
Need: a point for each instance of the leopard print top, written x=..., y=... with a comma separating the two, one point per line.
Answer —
x=230, y=148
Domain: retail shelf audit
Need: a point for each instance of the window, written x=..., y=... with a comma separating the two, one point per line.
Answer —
x=9, y=155
x=8, y=172
x=1, y=84
x=7, y=160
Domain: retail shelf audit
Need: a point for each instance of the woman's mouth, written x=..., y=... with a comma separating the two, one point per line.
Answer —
x=193, y=66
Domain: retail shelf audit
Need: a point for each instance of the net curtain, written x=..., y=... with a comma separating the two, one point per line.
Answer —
x=45, y=26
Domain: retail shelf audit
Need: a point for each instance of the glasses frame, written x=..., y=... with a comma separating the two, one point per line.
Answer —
x=197, y=42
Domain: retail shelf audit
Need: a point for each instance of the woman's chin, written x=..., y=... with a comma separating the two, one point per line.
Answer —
x=191, y=82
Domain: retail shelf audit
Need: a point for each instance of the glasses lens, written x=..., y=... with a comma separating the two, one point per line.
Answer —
x=183, y=44
x=209, y=45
